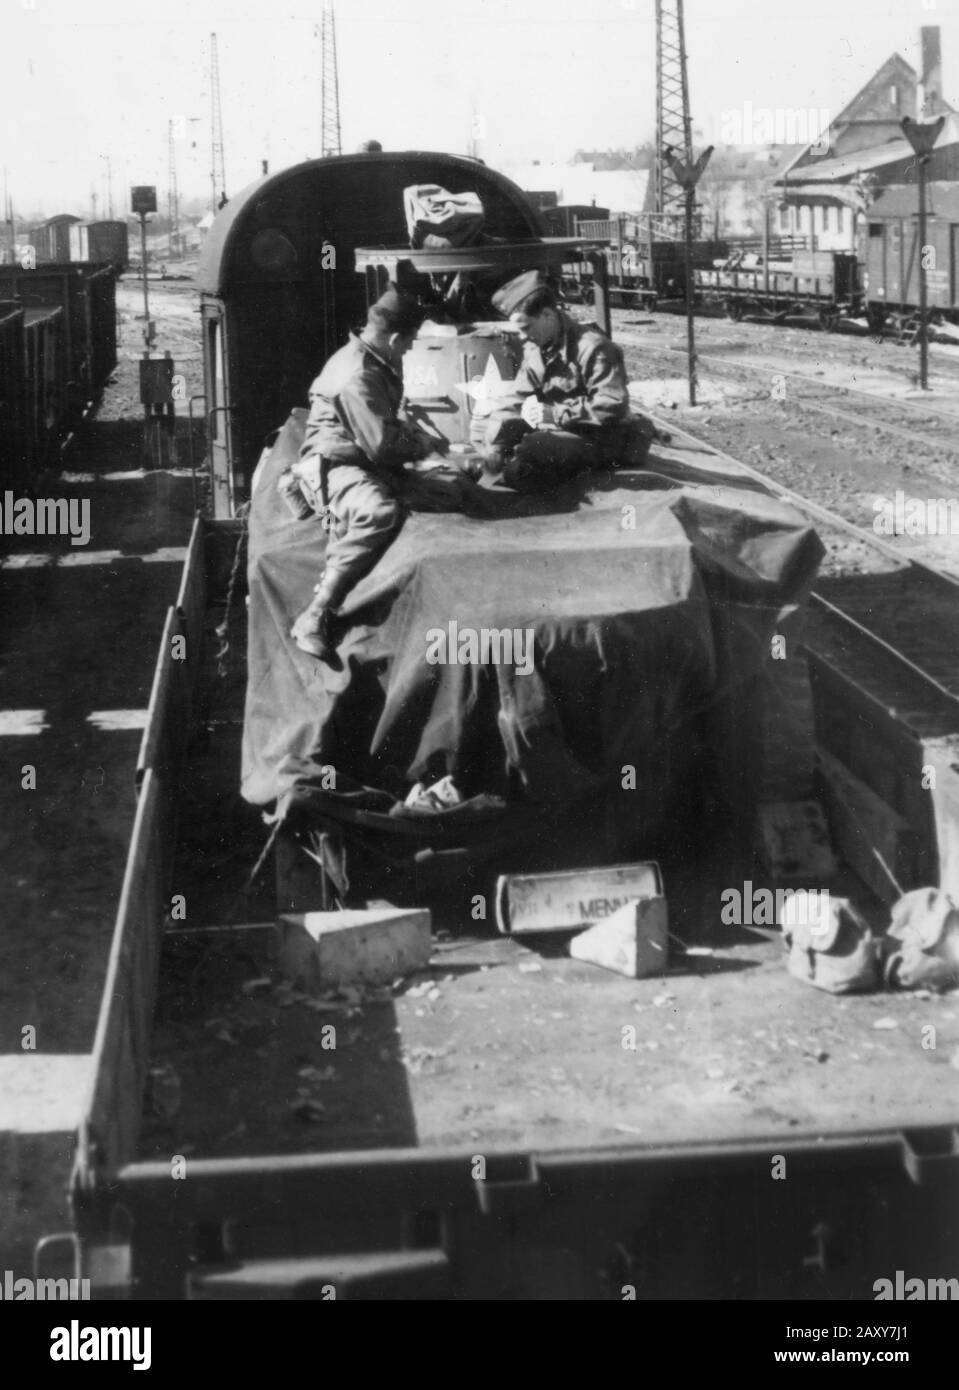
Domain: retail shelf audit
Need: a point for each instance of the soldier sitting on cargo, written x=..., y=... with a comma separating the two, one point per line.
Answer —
x=357, y=442
x=570, y=395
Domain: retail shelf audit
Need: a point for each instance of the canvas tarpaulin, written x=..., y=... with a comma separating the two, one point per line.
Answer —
x=642, y=602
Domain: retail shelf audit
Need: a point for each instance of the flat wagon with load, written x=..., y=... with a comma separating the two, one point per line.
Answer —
x=823, y=283
x=646, y=256
x=400, y=1070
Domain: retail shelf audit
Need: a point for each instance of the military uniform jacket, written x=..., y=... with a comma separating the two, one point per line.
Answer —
x=582, y=377
x=356, y=413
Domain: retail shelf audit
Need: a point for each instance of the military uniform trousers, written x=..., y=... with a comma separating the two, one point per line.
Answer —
x=363, y=516
x=548, y=458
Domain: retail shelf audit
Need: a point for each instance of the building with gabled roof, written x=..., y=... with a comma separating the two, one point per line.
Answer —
x=827, y=188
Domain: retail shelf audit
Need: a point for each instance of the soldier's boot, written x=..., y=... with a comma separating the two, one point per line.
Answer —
x=312, y=629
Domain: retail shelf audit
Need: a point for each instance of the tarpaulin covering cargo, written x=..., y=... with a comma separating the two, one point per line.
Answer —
x=627, y=611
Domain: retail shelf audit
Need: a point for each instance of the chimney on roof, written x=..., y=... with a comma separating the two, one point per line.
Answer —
x=929, y=93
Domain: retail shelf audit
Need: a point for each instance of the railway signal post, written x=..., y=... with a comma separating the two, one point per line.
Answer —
x=159, y=411
x=688, y=175
x=922, y=135
x=143, y=199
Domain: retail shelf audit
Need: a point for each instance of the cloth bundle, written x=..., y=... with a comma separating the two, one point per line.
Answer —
x=921, y=948
x=437, y=218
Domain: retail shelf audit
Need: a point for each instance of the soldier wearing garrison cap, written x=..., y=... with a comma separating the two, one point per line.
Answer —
x=513, y=296
x=357, y=442
x=570, y=392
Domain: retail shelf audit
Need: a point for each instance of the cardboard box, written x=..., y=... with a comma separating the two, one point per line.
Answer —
x=572, y=899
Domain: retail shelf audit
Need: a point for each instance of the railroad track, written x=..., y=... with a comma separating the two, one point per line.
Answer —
x=944, y=422
x=894, y=633
x=945, y=362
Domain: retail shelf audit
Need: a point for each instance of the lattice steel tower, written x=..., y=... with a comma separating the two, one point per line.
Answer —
x=330, y=92
x=673, y=129
x=218, y=162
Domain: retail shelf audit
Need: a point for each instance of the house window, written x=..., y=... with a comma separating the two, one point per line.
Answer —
x=894, y=95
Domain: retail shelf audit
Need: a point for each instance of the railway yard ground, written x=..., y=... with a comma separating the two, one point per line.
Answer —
x=81, y=629
x=820, y=436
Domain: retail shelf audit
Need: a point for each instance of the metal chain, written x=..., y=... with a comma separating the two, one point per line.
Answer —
x=255, y=872
x=243, y=893
x=222, y=631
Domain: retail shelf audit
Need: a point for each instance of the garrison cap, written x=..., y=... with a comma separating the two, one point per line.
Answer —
x=399, y=310
x=514, y=294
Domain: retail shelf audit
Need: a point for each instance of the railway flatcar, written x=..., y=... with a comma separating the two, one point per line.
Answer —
x=646, y=256
x=890, y=255
x=825, y=283
x=563, y=220
x=879, y=280
x=462, y=1146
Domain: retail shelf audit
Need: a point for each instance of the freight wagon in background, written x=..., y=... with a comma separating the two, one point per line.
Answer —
x=646, y=256
x=59, y=349
x=824, y=283
x=46, y=383
x=563, y=220
x=12, y=387
x=101, y=243
x=52, y=239
x=65, y=240
x=880, y=280
x=890, y=256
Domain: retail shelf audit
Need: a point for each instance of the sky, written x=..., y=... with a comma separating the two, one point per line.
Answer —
x=90, y=86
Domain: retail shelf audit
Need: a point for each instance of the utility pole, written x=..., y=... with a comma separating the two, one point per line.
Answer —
x=330, y=143
x=173, y=197
x=673, y=127
x=217, y=161
x=676, y=172
x=143, y=200
x=8, y=217
x=922, y=136
x=107, y=161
